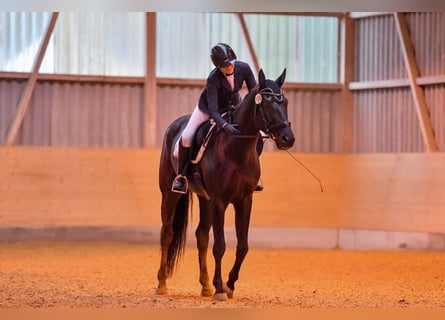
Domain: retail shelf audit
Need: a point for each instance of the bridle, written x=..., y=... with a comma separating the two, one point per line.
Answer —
x=269, y=95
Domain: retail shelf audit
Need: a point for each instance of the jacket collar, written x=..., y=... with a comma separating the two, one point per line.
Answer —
x=226, y=83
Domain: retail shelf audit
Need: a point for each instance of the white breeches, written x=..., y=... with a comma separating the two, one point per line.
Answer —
x=195, y=120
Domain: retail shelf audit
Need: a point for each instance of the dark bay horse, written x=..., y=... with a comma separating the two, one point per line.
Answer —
x=228, y=174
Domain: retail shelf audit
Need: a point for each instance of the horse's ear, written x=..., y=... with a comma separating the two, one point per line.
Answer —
x=280, y=79
x=261, y=79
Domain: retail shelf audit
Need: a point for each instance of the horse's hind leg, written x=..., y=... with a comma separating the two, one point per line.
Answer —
x=169, y=201
x=242, y=221
x=202, y=239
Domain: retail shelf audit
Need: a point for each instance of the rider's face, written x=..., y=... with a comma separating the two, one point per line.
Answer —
x=228, y=70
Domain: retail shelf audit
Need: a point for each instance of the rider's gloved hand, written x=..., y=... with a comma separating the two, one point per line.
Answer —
x=231, y=128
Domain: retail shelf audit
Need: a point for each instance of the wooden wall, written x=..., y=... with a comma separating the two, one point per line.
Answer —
x=118, y=187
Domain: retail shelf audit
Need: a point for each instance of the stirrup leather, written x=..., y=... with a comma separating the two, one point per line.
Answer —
x=185, y=187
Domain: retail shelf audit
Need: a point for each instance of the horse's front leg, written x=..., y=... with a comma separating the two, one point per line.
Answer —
x=242, y=221
x=202, y=239
x=219, y=247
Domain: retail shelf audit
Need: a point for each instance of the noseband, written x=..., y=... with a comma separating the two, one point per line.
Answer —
x=278, y=98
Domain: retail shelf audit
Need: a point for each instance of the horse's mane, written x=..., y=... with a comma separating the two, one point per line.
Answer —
x=249, y=98
x=246, y=106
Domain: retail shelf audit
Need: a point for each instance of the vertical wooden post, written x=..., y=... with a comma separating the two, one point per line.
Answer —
x=150, y=87
x=417, y=91
x=27, y=92
x=249, y=41
x=344, y=121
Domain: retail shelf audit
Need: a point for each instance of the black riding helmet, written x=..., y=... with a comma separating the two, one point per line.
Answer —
x=222, y=55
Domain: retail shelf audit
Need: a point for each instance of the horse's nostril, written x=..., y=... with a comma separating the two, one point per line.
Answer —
x=287, y=140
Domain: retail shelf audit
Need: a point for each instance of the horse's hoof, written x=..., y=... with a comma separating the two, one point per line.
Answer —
x=228, y=291
x=207, y=292
x=221, y=297
x=161, y=291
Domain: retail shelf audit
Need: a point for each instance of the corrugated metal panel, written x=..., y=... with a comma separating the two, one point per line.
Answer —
x=306, y=46
x=173, y=102
x=378, y=54
x=312, y=114
x=107, y=43
x=184, y=41
x=100, y=43
x=317, y=49
x=386, y=121
x=427, y=35
x=20, y=37
x=105, y=115
x=113, y=43
x=67, y=114
x=77, y=115
x=182, y=45
x=10, y=92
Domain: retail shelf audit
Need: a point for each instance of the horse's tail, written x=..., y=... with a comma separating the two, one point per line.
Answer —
x=180, y=222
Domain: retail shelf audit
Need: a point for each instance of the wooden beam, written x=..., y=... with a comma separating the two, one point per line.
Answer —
x=431, y=80
x=286, y=86
x=312, y=86
x=361, y=15
x=379, y=84
x=353, y=85
x=27, y=92
x=249, y=41
x=73, y=78
x=181, y=82
x=417, y=91
x=395, y=83
x=150, y=90
x=163, y=81
x=298, y=14
x=344, y=118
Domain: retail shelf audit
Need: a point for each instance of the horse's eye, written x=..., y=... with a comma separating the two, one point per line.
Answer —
x=268, y=97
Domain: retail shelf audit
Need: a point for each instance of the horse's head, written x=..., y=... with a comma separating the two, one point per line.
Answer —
x=271, y=105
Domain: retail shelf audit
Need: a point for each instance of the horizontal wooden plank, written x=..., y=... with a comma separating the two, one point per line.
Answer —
x=395, y=83
x=119, y=187
x=159, y=81
x=312, y=86
x=73, y=78
x=361, y=15
x=381, y=84
x=302, y=14
x=431, y=80
x=181, y=82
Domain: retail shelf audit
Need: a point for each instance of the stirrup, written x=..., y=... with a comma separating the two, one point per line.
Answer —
x=183, y=184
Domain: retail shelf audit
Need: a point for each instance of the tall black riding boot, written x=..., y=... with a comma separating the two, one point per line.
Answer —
x=180, y=184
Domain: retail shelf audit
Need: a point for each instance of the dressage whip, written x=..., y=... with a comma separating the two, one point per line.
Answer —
x=306, y=168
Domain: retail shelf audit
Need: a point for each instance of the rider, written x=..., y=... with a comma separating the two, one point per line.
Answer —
x=219, y=95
